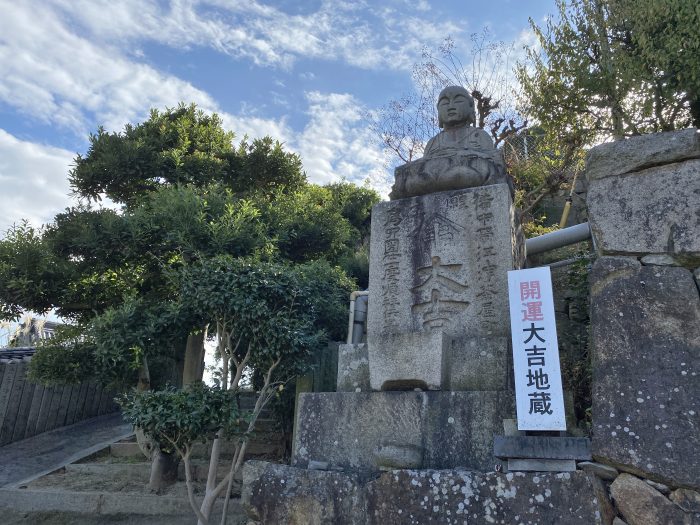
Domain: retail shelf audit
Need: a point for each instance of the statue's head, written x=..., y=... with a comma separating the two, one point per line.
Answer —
x=455, y=107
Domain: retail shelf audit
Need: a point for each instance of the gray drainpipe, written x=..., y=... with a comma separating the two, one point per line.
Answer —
x=358, y=316
x=557, y=239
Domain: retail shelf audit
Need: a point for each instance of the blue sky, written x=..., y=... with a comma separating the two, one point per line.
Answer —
x=304, y=72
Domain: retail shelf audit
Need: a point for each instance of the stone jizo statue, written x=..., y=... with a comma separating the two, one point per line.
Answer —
x=460, y=156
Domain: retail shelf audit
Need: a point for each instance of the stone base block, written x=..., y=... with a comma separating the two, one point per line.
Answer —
x=430, y=361
x=440, y=262
x=354, y=430
x=541, y=465
x=645, y=151
x=542, y=447
x=407, y=361
x=275, y=493
x=353, y=368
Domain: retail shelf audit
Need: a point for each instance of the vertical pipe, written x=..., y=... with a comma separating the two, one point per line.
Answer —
x=351, y=316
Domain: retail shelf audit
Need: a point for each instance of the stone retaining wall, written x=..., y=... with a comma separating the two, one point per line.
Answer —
x=644, y=209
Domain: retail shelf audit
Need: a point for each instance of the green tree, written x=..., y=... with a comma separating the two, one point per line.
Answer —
x=268, y=316
x=662, y=37
x=186, y=194
x=180, y=146
x=189, y=200
x=611, y=69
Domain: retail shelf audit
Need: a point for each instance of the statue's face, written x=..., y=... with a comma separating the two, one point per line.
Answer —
x=455, y=107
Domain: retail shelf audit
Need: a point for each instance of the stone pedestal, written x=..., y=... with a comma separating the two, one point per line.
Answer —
x=438, y=275
x=364, y=431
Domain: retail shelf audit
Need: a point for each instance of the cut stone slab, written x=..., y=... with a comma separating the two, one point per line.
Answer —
x=281, y=494
x=541, y=465
x=640, y=504
x=274, y=493
x=645, y=339
x=454, y=429
x=542, y=447
x=440, y=261
x=636, y=153
x=599, y=470
x=664, y=489
x=353, y=368
x=436, y=361
x=659, y=260
x=653, y=211
x=407, y=361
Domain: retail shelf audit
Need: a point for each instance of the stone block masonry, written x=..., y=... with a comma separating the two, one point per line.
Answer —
x=282, y=494
x=645, y=335
x=644, y=196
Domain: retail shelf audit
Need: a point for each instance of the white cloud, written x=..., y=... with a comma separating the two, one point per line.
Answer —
x=356, y=33
x=49, y=72
x=33, y=181
x=52, y=73
x=337, y=144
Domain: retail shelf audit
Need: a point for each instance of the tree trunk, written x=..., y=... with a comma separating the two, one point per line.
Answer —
x=193, y=361
x=163, y=470
x=694, y=103
x=144, y=383
x=608, y=69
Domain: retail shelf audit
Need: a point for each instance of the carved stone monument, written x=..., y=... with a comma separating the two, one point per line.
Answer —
x=408, y=437
x=437, y=352
x=438, y=309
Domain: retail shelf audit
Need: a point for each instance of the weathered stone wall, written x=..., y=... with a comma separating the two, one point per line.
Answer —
x=644, y=209
x=27, y=409
x=644, y=197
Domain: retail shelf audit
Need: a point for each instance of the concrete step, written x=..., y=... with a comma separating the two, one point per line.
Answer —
x=108, y=504
x=262, y=444
x=142, y=471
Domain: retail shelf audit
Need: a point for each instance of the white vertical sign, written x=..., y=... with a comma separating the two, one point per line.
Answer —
x=538, y=393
